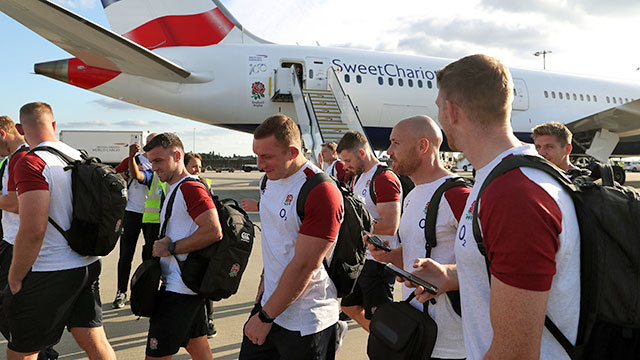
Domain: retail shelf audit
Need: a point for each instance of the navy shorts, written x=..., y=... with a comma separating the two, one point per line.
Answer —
x=373, y=288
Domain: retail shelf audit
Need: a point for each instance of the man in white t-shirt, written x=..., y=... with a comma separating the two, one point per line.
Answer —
x=132, y=220
x=528, y=224
x=375, y=285
x=179, y=318
x=50, y=286
x=296, y=311
x=329, y=155
x=414, y=150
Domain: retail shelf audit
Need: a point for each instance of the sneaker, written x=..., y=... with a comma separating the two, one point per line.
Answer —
x=120, y=301
x=341, y=331
x=344, y=317
x=211, y=329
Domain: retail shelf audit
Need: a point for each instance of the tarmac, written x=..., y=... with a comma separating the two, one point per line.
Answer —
x=128, y=333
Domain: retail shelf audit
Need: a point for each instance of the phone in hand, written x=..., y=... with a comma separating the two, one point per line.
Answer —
x=378, y=243
x=430, y=288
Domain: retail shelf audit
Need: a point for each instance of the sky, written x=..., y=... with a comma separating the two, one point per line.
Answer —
x=591, y=37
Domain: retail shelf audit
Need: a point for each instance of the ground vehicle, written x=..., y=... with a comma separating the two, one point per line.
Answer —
x=632, y=166
x=111, y=147
x=249, y=167
x=464, y=165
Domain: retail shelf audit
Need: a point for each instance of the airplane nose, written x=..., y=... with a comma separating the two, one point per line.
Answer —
x=58, y=69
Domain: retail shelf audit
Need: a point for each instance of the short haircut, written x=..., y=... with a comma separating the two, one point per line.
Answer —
x=8, y=125
x=331, y=145
x=188, y=156
x=352, y=141
x=480, y=85
x=166, y=140
x=35, y=108
x=282, y=128
x=554, y=128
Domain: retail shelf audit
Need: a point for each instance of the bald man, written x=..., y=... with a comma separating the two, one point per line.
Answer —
x=51, y=286
x=414, y=150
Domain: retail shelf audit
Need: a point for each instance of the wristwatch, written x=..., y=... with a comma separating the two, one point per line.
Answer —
x=264, y=317
x=172, y=248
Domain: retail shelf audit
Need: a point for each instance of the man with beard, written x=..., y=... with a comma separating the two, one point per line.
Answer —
x=414, y=150
x=375, y=285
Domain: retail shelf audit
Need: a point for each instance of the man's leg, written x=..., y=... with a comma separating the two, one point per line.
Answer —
x=352, y=304
x=132, y=224
x=356, y=313
x=94, y=342
x=199, y=349
x=319, y=346
x=12, y=355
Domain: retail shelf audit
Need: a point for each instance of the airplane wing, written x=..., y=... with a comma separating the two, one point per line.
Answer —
x=90, y=42
x=623, y=120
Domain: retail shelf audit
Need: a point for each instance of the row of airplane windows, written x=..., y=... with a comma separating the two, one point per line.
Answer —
x=582, y=97
x=391, y=81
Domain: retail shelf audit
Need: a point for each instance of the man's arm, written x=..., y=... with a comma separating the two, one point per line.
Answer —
x=394, y=256
x=9, y=202
x=209, y=231
x=309, y=252
x=33, y=225
x=517, y=319
x=389, y=220
x=134, y=170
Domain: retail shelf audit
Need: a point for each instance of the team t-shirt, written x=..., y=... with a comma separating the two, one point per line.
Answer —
x=42, y=170
x=450, y=342
x=388, y=189
x=11, y=221
x=137, y=191
x=191, y=200
x=317, y=307
x=531, y=234
x=336, y=169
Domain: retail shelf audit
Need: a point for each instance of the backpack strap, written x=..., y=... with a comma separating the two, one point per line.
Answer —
x=167, y=212
x=263, y=183
x=372, y=188
x=312, y=182
x=507, y=164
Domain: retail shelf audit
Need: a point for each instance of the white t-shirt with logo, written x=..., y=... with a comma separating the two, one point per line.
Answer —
x=317, y=307
x=450, y=342
x=531, y=246
x=10, y=220
x=138, y=191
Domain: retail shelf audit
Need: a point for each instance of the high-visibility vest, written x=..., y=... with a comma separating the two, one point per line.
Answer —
x=153, y=202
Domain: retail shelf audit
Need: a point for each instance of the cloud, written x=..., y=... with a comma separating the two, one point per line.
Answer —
x=565, y=11
x=115, y=104
x=76, y=4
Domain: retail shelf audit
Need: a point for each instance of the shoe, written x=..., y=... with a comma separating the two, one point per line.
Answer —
x=344, y=317
x=341, y=331
x=120, y=301
x=211, y=329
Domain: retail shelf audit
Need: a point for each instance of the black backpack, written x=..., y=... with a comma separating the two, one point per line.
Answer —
x=145, y=284
x=430, y=227
x=99, y=200
x=609, y=219
x=405, y=182
x=398, y=331
x=216, y=270
x=350, y=251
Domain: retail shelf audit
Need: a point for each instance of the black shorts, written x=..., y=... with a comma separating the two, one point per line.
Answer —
x=6, y=252
x=290, y=345
x=177, y=319
x=49, y=301
x=374, y=288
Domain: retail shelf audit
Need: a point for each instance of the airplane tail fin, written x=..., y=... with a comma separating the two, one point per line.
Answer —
x=168, y=23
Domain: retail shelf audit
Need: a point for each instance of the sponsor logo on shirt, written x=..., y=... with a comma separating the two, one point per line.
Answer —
x=426, y=207
x=288, y=200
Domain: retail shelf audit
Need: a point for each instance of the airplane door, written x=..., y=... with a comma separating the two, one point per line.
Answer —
x=317, y=73
x=521, y=96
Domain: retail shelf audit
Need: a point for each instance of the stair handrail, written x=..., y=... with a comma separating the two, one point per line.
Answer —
x=310, y=124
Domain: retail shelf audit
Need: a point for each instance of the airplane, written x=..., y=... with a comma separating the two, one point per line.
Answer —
x=193, y=59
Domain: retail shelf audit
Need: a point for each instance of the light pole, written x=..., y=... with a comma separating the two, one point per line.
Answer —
x=544, y=57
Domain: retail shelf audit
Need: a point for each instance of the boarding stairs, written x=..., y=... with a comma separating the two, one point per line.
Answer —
x=323, y=115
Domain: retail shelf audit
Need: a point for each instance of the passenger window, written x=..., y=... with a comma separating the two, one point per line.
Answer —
x=595, y=99
x=311, y=74
x=410, y=82
x=620, y=100
x=581, y=97
x=347, y=78
x=568, y=97
x=588, y=97
x=614, y=100
x=400, y=82
x=390, y=81
x=553, y=94
x=380, y=80
x=420, y=83
x=560, y=95
x=429, y=84
x=608, y=100
x=626, y=100
x=575, y=98
x=546, y=94
x=358, y=79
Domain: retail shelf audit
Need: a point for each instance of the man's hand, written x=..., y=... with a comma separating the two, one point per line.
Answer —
x=249, y=204
x=445, y=277
x=14, y=285
x=161, y=247
x=134, y=149
x=256, y=330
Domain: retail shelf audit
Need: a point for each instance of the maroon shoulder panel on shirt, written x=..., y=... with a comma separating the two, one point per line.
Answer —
x=520, y=227
x=197, y=198
x=457, y=199
x=340, y=173
x=28, y=174
x=15, y=159
x=123, y=166
x=323, y=212
x=387, y=187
